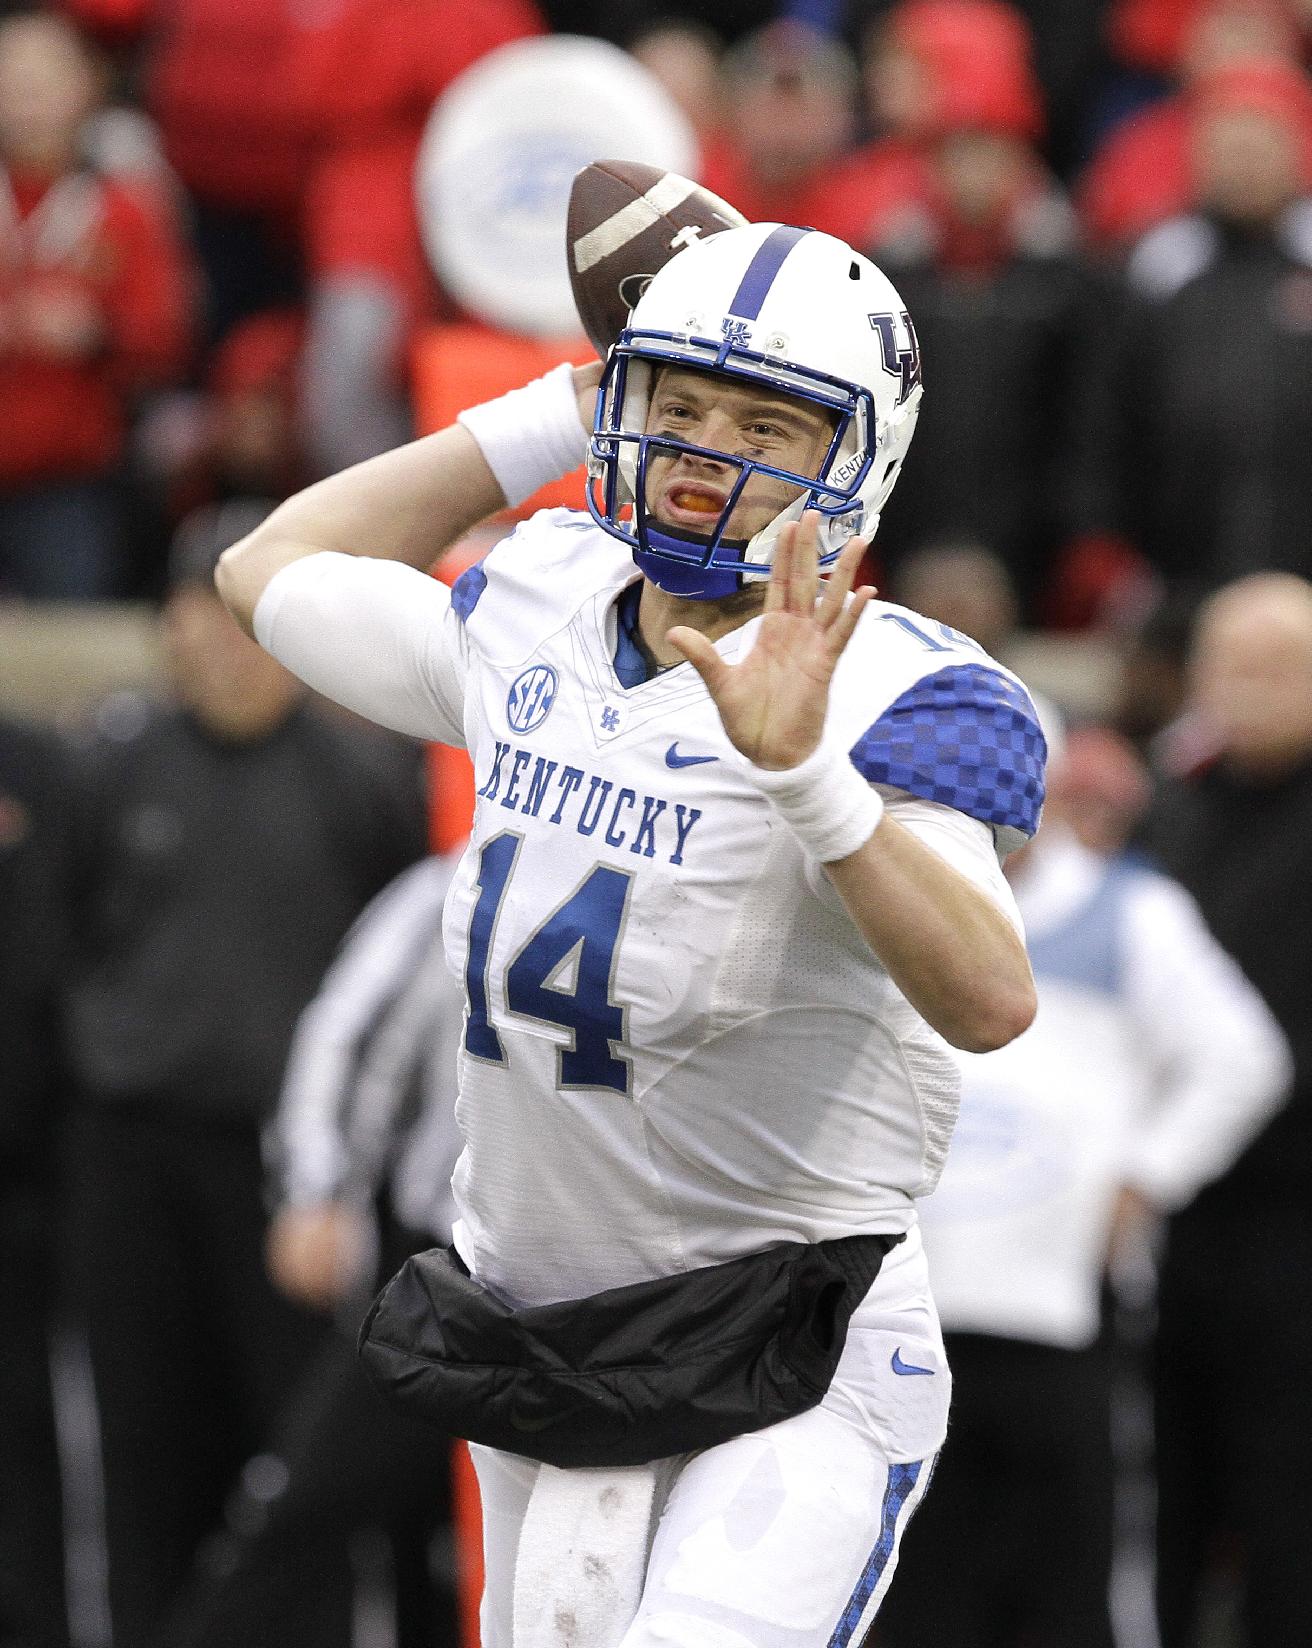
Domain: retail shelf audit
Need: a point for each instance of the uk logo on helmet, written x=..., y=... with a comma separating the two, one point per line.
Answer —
x=903, y=363
x=530, y=699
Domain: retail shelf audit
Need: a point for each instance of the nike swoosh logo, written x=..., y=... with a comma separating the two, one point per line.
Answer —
x=674, y=759
x=899, y=1366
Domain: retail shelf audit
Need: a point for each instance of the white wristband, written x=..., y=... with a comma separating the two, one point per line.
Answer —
x=825, y=802
x=530, y=436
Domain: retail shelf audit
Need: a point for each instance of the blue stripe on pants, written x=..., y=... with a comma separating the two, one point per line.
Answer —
x=901, y=1480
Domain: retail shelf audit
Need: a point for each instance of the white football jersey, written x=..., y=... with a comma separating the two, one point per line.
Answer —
x=678, y=1048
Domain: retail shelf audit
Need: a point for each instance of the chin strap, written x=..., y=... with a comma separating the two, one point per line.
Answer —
x=679, y=577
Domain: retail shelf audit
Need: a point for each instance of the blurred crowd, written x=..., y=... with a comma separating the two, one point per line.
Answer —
x=224, y=1025
x=213, y=280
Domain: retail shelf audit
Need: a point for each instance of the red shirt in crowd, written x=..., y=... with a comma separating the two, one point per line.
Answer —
x=248, y=93
x=1145, y=171
x=852, y=197
x=360, y=218
x=1153, y=35
x=94, y=303
x=1140, y=176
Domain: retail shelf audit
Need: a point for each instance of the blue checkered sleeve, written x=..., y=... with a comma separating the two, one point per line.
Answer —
x=967, y=737
x=467, y=590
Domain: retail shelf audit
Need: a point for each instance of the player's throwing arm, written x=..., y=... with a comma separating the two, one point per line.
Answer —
x=411, y=504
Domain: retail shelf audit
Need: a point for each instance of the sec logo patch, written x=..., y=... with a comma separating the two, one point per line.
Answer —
x=530, y=699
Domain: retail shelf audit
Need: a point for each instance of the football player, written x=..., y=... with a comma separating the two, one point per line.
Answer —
x=734, y=878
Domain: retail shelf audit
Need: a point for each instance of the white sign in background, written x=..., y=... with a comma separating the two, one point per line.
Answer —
x=502, y=147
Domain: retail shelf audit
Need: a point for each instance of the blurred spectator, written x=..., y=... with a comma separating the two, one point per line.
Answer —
x=1165, y=37
x=252, y=95
x=1145, y=170
x=1149, y=1067
x=1062, y=37
x=685, y=56
x=238, y=435
x=34, y=793
x=789, y=96
x=364, y=1143
x=928, y=67
x=93, y=308
x=235, y=436
x=230, y=836
x=370, y=288
x=946, y=62
x=965, y=586
x=253, y=448
x=1102, y=788
x=1152, y=681
x=1011, y=326
x=1212, y=420
x=1234, y=1354
x=871, y=184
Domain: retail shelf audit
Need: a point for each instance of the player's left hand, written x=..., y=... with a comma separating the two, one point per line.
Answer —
x=773, y=703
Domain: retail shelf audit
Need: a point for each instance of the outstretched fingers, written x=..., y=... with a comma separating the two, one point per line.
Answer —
x=804, y=582
x=840, y=631
x=795, y=566
x=839, y=583
x=781, y=570
x=701, y=655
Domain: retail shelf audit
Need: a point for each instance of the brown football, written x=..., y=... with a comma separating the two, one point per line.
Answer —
x=624, y=222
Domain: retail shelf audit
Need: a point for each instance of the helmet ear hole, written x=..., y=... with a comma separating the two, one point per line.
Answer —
x=854, y=271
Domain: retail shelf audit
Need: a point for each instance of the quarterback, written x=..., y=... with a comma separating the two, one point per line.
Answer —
x=733, y=884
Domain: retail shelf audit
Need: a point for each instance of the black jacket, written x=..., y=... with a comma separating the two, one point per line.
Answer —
x=1245, y=853
x=33, y=935
x=1213, y=399
x=215, y=883
x=1010, y=358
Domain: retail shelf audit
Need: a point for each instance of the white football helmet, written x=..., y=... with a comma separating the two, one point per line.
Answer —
x=795, y=310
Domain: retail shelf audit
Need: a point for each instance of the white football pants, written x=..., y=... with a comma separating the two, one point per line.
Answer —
x=784, y=1538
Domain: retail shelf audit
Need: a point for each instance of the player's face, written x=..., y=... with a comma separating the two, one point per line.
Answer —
x=740, y=419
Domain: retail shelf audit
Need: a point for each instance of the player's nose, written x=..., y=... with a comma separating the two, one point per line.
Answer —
x=720, y=433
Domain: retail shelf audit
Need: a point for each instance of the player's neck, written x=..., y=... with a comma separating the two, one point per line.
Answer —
x=659, y=612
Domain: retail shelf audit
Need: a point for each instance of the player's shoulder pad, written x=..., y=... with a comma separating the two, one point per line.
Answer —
x=534, y=580
x=949, y=724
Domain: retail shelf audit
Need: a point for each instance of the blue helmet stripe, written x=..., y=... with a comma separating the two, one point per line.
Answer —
x=760, y=272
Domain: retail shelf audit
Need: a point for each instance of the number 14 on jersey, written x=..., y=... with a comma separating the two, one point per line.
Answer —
x=563, y=974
